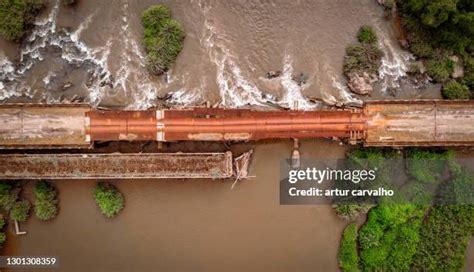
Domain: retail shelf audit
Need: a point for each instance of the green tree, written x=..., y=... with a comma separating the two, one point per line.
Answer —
x=109, y=199
x=8, y=195
x=20, y=211
x=16, y=16
x=46, y=203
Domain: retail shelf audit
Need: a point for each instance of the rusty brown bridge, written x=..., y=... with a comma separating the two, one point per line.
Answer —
x=378, y=123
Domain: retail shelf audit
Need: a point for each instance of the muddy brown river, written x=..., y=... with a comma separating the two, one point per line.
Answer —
x=92, y=53
x=191, y=225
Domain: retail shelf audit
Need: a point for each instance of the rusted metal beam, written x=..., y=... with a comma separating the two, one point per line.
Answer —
x=116, y=166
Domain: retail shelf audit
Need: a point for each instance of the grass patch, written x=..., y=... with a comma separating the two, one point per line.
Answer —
x=109, y=199
x=17, y=16
x=46, y=203
x=163, y=38
x=348, y=257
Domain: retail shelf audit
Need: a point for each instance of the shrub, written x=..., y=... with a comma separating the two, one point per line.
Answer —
x=367, y=35
x=455, y=90
x=153, y=17
x=20, y=211
x=46, y=204
x=16, y=16
x=364, y=56
x=109, y=199
x=440, y=69
x=421, y=48
x=348, y=258
x=163, y=38
x=8, y=195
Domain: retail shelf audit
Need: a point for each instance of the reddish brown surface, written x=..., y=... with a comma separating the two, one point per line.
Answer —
x=381, y=123
x=220, y=125
x=122, y=125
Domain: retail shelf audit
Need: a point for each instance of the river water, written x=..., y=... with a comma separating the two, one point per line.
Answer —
x=91, y=52
x=195, y=225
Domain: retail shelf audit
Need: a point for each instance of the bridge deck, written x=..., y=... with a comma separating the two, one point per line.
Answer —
x=42, y=126
x=420, y=123
x=116, y=166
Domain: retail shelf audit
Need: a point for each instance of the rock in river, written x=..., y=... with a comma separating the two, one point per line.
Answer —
x=361, y=82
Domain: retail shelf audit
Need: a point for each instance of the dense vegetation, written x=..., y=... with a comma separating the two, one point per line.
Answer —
x=450, y=226
x=364, y=56
x=46, y=203
x=16, y=16
x=389, y=238
x=396, y=237
x=163, y=38
x=109, y=199
x=385, y=160
x=437, y=30
x=3, y=236
x=348, y=258
x=20, y=210
x=444, y=238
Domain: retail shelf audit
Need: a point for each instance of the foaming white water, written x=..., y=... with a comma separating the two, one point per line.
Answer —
x=394, y=62
x=45, y=35
x=345, y=96
x=235, y=90
x=184, y=98
x=132, y=80
x=293, y=92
